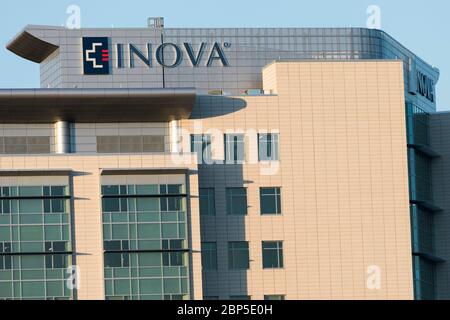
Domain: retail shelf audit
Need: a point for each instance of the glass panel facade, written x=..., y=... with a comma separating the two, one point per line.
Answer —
x=209, y=256
x=421, y=193
x=207, y=202
x=238, y=255
x=270, y=200
x=421, y=187
x=424, y=278
x=268, y=147
x=35, y=242
x=422, y=230
x=272, y=252
x=236, y=201
x=234, y=148
x=145, y=242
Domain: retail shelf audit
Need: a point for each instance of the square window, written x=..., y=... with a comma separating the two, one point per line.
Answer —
x=272, y=252
x=268, y=146
x=238, y=255
x=236, y=201
x=270, y=200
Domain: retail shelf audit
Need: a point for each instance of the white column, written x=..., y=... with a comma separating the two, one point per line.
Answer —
x=62, y=137
x=175, y=136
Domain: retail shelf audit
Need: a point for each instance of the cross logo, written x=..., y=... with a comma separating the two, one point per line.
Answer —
x=96, y=55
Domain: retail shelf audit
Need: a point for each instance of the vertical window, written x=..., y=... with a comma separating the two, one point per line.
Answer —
x=270, y=200
x=209, y=255
x=272, y=254
x=236, y=201
x=268, y=146
x=238, y=255
x=207, y=202
x=234, y=148
x=274, y=297
x=201, y=144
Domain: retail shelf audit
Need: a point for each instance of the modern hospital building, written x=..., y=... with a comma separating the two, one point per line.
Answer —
x=223, y=163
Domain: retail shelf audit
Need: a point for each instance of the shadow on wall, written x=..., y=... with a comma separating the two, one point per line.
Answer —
x=224, y=227
x=209, y=106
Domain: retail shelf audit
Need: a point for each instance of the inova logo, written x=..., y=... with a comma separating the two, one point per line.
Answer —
x=169, y=55
x=96, y=55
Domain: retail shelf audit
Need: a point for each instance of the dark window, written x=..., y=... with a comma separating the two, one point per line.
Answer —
x=272, y=254
x=209, y=255
x=173, y=259
x=240, y=298
x=274, y=297
x=238, y=255
x=117, y=260
x=56, y=261
x=55, y=246
x=270, y=200
x=236, y=201
x=207, y=202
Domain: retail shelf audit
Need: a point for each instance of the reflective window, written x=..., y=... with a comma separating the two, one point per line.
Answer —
x=238, y=255
x=234, y=148
x=270, y=200
x=207, y=202
x=268, y=146
x=236, y=201
x=201, y=144
x=145, y=242
x=272, y=252
x=209, y=255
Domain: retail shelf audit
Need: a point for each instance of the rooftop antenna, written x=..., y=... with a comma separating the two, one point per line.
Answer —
x=155, y=22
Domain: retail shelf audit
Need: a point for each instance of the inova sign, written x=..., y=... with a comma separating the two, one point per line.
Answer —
x=97, y=57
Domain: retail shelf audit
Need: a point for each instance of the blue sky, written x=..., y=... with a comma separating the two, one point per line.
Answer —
x=420, y=25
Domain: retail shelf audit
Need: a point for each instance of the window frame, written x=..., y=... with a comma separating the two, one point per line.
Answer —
x=234, y=146
x=277, y=198
x=279, y=252
x=229, y=200
x=232, y=258
x=273, y=142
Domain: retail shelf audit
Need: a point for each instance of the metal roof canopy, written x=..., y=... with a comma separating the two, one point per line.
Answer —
x=95, y=105
x=31, y=47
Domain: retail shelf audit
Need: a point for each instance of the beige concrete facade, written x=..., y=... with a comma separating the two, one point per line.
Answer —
x=343, y=173
x=343, y=176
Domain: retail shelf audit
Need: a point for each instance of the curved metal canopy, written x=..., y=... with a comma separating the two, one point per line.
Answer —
x=95, y=105
x=30, y=47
